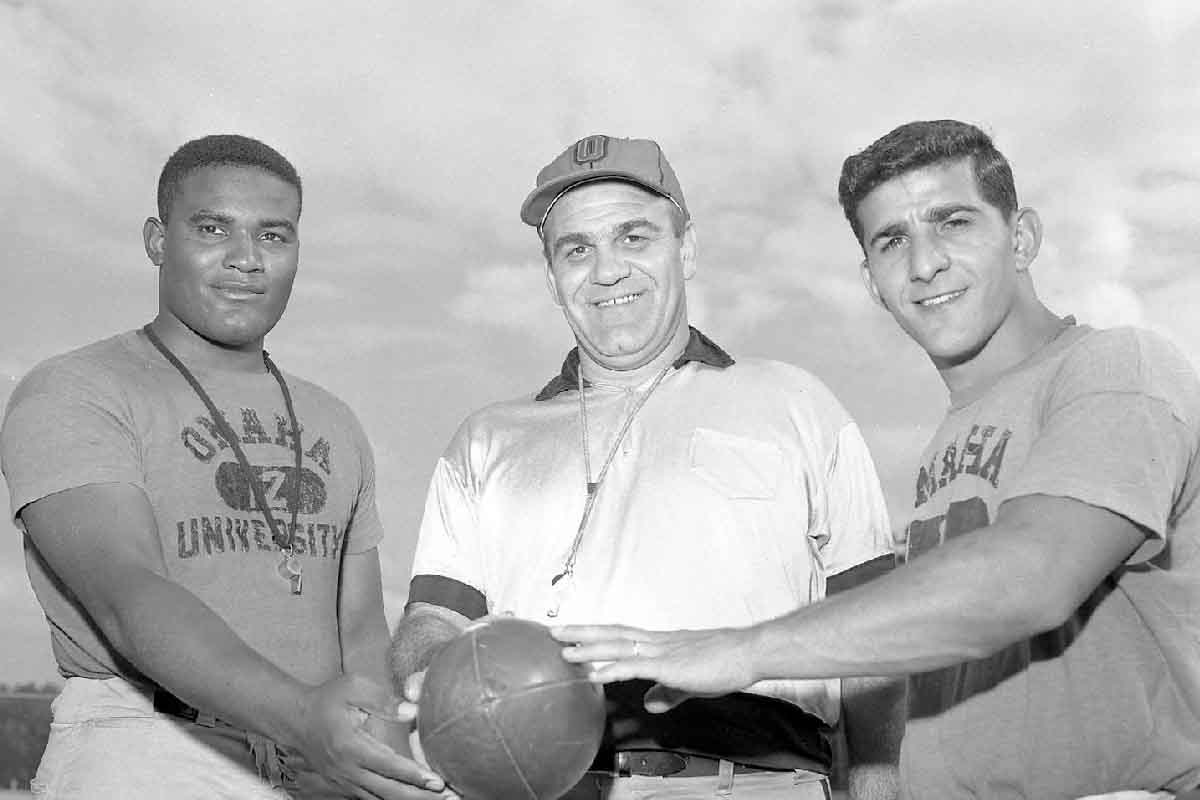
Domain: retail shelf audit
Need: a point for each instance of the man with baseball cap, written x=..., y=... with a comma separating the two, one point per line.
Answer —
x=1049, y=610
x=655, y=481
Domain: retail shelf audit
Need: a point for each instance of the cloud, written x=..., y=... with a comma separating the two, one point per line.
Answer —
x=896, y=450
x=419, y=128
x=506, y=295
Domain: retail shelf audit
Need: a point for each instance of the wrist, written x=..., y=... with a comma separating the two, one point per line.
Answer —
x=290, y=713
x=752, y=648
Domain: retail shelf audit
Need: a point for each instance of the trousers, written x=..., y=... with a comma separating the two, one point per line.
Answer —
x=786, y=785
x=106, y=740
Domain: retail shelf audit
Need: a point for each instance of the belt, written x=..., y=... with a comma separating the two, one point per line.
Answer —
x=268, y=760
x=167, y=703
x=667, y=763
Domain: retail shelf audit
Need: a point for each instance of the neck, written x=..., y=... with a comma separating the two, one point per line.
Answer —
x=596, y=372
x=197, y=352
x=1028, y=329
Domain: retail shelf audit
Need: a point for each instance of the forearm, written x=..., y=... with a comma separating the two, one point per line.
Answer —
x=365, y=648
x=362, y=624
x=418, y=636
x=960, y=602
x=182, y=645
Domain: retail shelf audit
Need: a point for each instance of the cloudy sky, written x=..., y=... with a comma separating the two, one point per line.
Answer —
x=419, y=127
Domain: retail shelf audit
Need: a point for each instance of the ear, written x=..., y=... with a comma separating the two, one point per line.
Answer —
x=1027, y=237
x=153, y=235
x=868, y=280
x=687, y=251
x=552, y=285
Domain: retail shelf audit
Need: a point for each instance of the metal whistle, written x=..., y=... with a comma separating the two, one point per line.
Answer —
x=291, y=570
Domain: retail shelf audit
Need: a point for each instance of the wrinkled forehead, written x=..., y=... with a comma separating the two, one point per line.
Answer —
x=919, y=189
x=595, y=204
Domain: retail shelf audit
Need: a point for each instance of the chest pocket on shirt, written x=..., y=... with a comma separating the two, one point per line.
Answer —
x=738, y=467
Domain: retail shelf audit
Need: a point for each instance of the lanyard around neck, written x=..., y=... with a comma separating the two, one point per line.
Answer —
x=283, y=539
x=593, y=486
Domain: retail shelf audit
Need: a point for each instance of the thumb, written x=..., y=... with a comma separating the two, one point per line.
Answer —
x=659, y=698
x=412, y=686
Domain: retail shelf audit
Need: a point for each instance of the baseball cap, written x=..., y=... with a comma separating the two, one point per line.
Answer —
x=639, y=161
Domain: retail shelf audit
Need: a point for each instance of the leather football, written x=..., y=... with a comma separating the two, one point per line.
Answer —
x=503, y=717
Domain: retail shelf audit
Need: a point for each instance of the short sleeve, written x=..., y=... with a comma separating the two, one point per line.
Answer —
x=856, y=526
x=365, y=530
x=65, y=428
x=1118, y=430
x=447, y=568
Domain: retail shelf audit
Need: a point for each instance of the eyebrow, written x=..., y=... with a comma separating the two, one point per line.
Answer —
x=934, y=215
x=225, y=219
x=286, y=224
x=570, y=238
x=944, y=212
x=634, y=224
x=622, y=229
x=204, y=215
x=887, y=232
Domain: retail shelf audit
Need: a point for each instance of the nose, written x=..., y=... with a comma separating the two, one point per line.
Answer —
x=244, y=254
x=927, y=257
x=609, y=267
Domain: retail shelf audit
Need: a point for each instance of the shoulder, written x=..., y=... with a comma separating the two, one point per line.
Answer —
x=315, y=393
x=515, y=413
x=1142, y=345
x=99, y=366
x=504, y=428
x=1129, y=361
x=771, y=371
x=1133, y=358
x=327, y=409
x=779, y=381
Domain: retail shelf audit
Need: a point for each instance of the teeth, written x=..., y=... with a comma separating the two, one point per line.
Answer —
x=941, y=298
x=617, y=301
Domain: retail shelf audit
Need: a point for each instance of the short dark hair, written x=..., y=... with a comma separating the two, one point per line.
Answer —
x=225, y=149
x=921, y=144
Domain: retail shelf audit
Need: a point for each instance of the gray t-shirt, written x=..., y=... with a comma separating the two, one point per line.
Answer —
x=1111, y=699
x=117, y=411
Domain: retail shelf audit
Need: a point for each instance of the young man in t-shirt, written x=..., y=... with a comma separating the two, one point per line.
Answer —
x=201, y=528
x=1050, y=607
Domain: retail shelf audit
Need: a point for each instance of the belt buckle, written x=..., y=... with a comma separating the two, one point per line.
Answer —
x=657, y=763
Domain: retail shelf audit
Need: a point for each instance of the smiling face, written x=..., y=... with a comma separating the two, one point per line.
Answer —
x=617, y=268
x=950, y=267
x=227, y=256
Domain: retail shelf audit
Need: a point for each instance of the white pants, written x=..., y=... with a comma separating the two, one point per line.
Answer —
x=794, y=785
x=106, y=740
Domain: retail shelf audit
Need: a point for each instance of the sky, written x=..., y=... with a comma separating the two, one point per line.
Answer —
x=418, y=129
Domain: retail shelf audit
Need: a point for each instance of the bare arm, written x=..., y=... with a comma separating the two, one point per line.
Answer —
x=362, y=624
x=1024, y=574
x=424, y=628
x=102, y=541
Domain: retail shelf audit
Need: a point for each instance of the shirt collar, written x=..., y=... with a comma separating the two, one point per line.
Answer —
x=699, y=348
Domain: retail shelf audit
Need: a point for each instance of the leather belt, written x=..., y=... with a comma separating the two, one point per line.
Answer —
x=167, y=703
x=667, y=763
